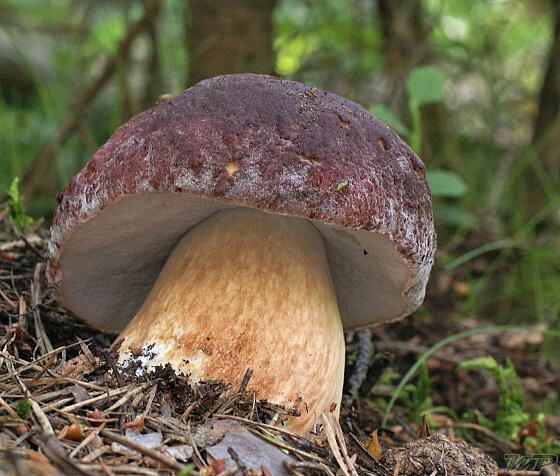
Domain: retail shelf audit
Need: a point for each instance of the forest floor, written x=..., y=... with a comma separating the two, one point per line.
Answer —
x=66, y=407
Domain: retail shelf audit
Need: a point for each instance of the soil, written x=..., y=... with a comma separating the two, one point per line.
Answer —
x=66, y=407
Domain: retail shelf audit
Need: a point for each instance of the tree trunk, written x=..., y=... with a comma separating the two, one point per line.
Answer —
x=233, y=36
x=407, y=46
x=546, y=134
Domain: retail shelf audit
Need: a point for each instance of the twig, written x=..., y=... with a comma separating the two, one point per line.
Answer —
x=42, y=371
x=13, y=277
x=95, y=454
x=125, y=469
x=105, y=396
x=42, y=337
x=245, y=381
x=9, y=409
x=188, y=411
x=170, y=462
x=370, y=460
x=35, y=251
x=361, y=365
x=39, y=413
x=342, y=444
x=36, y=363
x=22, y=438
x=86, y=351
x=193, y=443
x=53, y=450
x=151, y=397
x=262, y=425
x=127, y=397
x=331, y=438
x=503, y=444
x=11, y=303
x=285, y=446
x=309, y=465
x=106, y=470
x=235, y=457
x=37, y=167
x=43, y=420
x=111, y=363
x=92, y=434
x=10, y=245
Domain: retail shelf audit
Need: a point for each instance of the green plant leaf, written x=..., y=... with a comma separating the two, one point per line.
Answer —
x=186, y=470
x=23, y=407
x=425, y=85
x=444, y=183
x=385, y=115
x=16, y=209
x=453, y=214
x=511, y=416
x=432, y=350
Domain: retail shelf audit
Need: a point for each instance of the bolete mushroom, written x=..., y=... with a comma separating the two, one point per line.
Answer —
x=244, y=224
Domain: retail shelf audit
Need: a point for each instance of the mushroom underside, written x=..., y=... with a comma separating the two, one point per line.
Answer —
x=110, y=263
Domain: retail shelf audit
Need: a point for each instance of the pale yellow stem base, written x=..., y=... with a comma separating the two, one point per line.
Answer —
x=246, y=289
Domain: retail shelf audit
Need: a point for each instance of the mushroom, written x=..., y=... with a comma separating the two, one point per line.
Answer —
x=245, y=224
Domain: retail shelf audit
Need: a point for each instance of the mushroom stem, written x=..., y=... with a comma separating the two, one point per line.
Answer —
x=247, y=289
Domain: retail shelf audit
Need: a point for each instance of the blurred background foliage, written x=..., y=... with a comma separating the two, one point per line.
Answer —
x=472, y=85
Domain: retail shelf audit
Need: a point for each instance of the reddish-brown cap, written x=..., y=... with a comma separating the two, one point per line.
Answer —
x=253, y=141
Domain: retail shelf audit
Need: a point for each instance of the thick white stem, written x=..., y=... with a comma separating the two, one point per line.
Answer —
x=246, y=289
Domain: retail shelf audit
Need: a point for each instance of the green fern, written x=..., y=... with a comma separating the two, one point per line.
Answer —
x=511, y=416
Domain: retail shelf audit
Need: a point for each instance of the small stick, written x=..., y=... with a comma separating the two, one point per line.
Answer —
x=188, y=411
x=127, y=397
x=285, y=446
x=105, y=396
x=106, y=469
x=34, y=364
x=12, y=304
x=9, y=409
x=42, y=371
x=153, y=391
x=169, y=462
x=44, y=341
x=57, y=403
x=331, y=438
x=27, y=365
x=235, y=457
x=311, y=465
x=54, y=451
x=43, y=420
x=95, y=454
x=370, y=460
x=32, y=248
x=86, y=351
x=125, y=469
x=10, y=245
x=193, y=444
x=261, y=425
x=109, y=359
x=245, y=381
x=342, y=444
x=87, y=439
x=360, y=369
x=22, y=314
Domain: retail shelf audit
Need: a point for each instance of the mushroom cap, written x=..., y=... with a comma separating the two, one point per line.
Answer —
x=254, y=141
